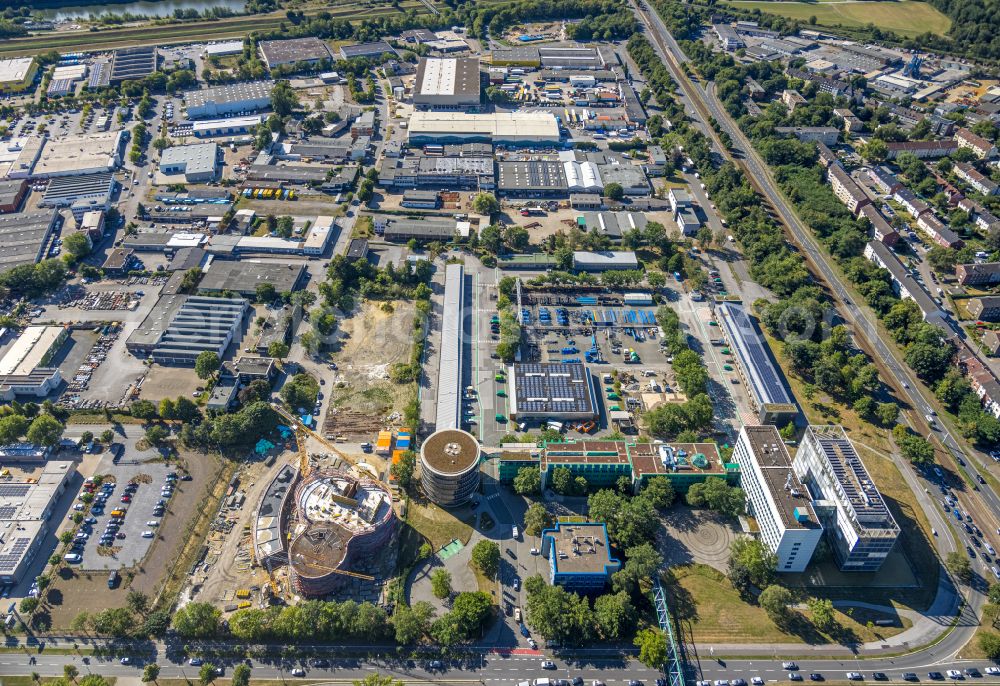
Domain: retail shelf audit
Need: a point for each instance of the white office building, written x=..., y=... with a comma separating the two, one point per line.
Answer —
x=776, y=498
x=859, y=526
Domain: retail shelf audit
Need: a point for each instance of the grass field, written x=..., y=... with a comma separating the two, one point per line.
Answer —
x=710, y=610
x=906, y=17
x=215, y=29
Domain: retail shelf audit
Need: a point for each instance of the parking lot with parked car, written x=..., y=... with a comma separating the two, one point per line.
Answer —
x=118, y=531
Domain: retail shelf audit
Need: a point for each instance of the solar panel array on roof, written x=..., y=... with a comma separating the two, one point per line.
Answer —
x=14, y=490
x=133, y=63
x=766, y=382
x=7, y=511
x=853, y=479
x=10, y=559
x=552, y=390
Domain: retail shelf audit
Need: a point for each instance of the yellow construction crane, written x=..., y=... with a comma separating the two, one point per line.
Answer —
x=358, y=575
x=302, y=430
x=304, y=465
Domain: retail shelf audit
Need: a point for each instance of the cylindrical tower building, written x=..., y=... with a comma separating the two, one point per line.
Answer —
x=449, y=467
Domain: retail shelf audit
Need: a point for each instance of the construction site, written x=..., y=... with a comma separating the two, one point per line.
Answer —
x=301, y=525
x=363, y=399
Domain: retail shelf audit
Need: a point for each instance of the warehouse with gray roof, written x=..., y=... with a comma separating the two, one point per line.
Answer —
x=449, y=391
x=233, y=98
x=181, y=327
x=308, y=50
x=532, y=179
x=24, y=237
x=196, y=163
x=244, y=277
x=26, y=517
x=447, y=83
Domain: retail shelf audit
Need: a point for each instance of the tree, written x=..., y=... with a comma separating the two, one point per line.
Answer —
x=821, y=610
x=631, y=521
x=750, y=564
x=528, y=481
x=277, y=350
x=167, y=408
x=652, y=645
x=241, y=675
x=614, y=615
x=660, y=492
x=107, y=436
x=300, y=391
x=206, y=364
x=641, y=563
x=28, y=605
x=486, y=204
x=776, y=601
x=875, y=151
x=886, y=413
x=715, y=494
x=403, y=470
x=156, y=435
x=197, y=620
x=206, y=674
x=13, y=426
x=536, y=519
x=143, y=410
x=77, y=245
x=994, y=594
x=150, y=672
x=265, y=292
x=70, y=672
x=185, y=409
x=614, y=191
x=412, y=623
x=989, y=643
x=283, y=99
x=45, y=430
x=562, y=481
x=958, y=564
x=441, y=583
x=486, y=556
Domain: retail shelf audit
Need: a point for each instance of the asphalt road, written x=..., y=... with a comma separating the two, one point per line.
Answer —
x=948, y=647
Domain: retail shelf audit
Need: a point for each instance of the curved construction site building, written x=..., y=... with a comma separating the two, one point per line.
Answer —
x=343, y=523
x=449, y=467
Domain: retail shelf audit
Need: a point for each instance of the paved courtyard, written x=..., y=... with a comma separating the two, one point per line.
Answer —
x=699, y=536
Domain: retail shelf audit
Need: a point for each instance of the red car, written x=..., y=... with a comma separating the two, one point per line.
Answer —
x=126, y=498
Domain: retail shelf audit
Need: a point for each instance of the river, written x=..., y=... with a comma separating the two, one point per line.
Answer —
x=148, y=8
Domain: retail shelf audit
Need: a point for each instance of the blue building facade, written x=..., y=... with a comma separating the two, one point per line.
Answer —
x=579, y=556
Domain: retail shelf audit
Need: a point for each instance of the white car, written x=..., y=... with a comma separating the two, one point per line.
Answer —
x=533, y=643
x=126, y=660
x=73, y=558
x=153, y=522
x=298, y=671
x=992, y=671
x=147, y=534
x=954, y=674
x=756, y=681
x=548, y=664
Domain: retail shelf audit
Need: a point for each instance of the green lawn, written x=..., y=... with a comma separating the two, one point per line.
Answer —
x=709, y=610
x=440, y=526
x=906, y=17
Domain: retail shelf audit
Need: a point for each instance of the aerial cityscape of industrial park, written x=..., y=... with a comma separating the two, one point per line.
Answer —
x=508, y=342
